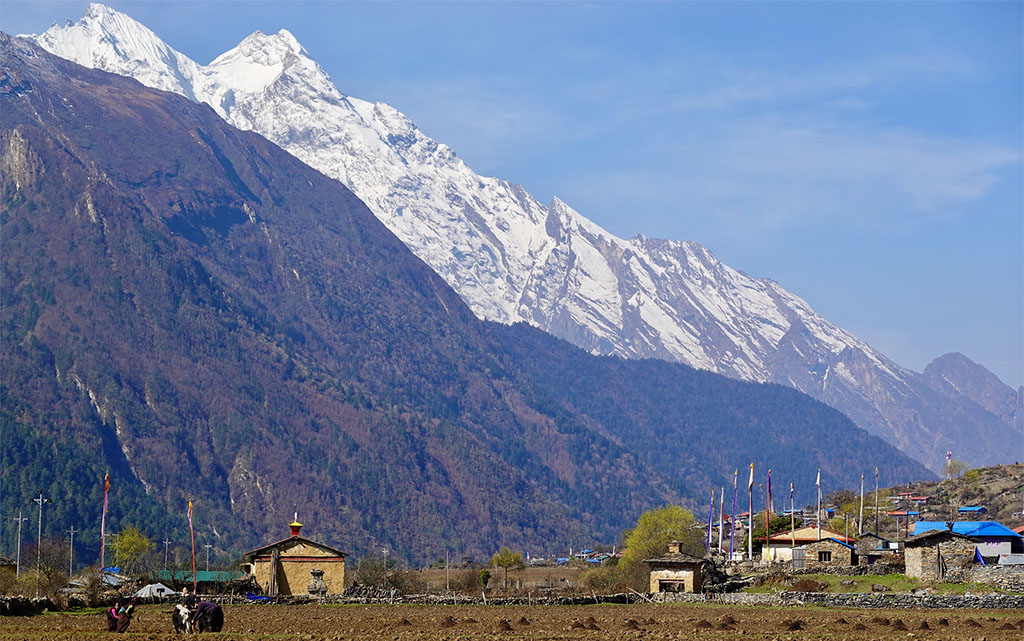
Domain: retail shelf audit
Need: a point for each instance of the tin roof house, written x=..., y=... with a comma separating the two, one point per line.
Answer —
x=992, y=539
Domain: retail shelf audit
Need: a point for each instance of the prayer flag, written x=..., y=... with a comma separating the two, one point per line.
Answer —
x=103, y=518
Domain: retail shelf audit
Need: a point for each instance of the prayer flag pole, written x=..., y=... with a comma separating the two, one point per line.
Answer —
x=876, y=500
x=860, y=517
x=768, y=520
x=721, y=520
x=732, y=518
x=818, y=518
x=711, y=519
x=792, y=517
x=192, y=532
x=750, y=515
x=103, y=518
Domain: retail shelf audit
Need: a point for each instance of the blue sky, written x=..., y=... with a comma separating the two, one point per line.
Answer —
x=866, y=155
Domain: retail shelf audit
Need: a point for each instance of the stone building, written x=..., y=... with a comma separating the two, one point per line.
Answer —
x=937, y=554
x=675, y=571
x=828, y=553
x=872, y=549
x=780, y=546
x=993, y=539
x=292, y=565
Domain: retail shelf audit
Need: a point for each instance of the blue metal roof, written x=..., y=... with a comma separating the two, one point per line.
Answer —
x=841, y=543
x=967, y=528
x=971, y=509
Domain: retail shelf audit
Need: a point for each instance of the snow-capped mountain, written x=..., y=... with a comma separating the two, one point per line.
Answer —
x=512, y=258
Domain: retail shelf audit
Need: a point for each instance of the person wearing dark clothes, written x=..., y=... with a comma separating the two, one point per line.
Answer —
x=124, y=615
x=112, y=616
x=208, y=617
x=188, y=599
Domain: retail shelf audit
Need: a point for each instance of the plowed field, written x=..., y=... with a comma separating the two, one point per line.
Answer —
x=590, y=623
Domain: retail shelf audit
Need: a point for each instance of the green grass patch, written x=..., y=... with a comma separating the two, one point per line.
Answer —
x=832, y=583
x=963, y=588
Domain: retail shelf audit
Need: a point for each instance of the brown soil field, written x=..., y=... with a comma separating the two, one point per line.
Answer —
x=590, y=623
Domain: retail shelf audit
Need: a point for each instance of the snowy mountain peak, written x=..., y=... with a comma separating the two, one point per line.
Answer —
x=511, y=258
x=109, y=40
x=262, y=49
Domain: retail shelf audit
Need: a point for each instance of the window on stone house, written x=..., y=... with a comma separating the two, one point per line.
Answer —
x=824, y=556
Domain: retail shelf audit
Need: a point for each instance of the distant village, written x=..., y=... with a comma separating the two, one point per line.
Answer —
x=918, y=536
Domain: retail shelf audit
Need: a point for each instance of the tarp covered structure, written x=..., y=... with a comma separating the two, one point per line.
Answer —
x=155, y=590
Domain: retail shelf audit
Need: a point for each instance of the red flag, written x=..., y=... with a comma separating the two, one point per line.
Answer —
x=103, y=518
x=192, y=532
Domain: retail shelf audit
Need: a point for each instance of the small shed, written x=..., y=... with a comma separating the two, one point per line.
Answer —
x=971, y=511
x=293, y=565
x=829, y=553
x=675, y=571
x=931, y=555
x=872, y=548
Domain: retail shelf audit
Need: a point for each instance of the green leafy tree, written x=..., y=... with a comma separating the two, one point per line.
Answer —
x=485, y=577
x=132, y=547
x=505, y=559
x=775, y=525
x=654, y=530
x=956, y=468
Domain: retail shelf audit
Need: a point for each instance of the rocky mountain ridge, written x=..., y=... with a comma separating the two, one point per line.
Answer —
x=512, y=258
x=195, y=311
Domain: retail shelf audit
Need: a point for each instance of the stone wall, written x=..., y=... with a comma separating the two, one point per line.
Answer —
x=878, y=568
x=688, y=577
x=939, y=562
x=841, y=556
x=829, y=599
x=1007, y=577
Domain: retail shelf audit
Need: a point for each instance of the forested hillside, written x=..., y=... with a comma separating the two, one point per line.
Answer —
x=195, y=311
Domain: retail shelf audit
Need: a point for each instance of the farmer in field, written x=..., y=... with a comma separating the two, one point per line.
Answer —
x=124, y=615
x=208, y=617
x=112, y=616
x=119, y=616
x=188, y=599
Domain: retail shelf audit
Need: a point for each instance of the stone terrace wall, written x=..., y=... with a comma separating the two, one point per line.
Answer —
x=1007, y=577
x=886, y=601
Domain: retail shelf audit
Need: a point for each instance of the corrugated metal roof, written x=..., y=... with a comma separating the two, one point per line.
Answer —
x=202, y=576
x=967, y=528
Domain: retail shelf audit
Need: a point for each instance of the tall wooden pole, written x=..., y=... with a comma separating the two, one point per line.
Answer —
x=876, y=501
x=860, y=518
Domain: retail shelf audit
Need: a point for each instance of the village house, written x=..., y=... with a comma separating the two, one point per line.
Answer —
x=675, y=571
x=828, y=553
x=872, y=548
x=993, y=539
x=296, y=565
x=971, y=512
x=931, y=556
x=780, y=546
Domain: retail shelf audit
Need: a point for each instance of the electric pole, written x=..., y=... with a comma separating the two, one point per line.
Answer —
x=20, y=519
x=208, y=546
x=39, y=540
x=166, y=543
x=71, y=552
